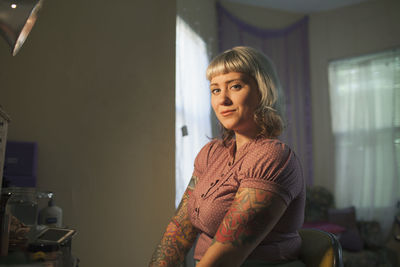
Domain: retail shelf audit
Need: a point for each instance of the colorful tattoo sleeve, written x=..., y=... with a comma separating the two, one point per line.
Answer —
x=248, y=217
x=179, y=235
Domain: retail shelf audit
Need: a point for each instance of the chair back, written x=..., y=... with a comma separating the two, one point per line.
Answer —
x=320, y=249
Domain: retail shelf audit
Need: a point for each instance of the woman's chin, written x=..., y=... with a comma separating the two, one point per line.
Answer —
x=228, y=127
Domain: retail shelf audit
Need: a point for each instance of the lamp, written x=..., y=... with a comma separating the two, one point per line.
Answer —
x=17, y=18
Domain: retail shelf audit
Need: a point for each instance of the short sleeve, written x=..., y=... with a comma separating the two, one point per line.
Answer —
x=272, y=166
x=201, y=160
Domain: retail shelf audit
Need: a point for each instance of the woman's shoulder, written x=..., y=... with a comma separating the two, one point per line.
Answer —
x=270, y=147
x=267, y=155
x=213, y=146
x=207, y=152
x=214, y=143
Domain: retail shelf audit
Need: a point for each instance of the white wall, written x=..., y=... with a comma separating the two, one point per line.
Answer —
x=94, y=86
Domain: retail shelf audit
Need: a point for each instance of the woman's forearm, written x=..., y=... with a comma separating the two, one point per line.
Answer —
x=175, y=243
x=252, y=215
x=178, y=237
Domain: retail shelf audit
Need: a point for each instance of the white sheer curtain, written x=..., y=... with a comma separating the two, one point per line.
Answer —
x=365, y=106
x=193, y=123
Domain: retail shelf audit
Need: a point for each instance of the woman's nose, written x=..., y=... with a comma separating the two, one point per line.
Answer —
x=225, y=99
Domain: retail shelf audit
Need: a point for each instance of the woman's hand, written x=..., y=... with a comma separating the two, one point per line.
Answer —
x=253, y=214
x=178, y=237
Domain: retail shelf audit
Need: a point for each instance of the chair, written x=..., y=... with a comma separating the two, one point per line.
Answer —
x=320, y=249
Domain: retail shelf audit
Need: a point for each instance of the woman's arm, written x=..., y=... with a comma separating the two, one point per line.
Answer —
x=253, y=214
x=179, y=235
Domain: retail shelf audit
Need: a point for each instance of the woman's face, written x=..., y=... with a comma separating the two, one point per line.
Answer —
x=234, y=98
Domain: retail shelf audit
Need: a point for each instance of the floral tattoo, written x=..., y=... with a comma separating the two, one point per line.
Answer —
x=246, y=218
x=179, y=235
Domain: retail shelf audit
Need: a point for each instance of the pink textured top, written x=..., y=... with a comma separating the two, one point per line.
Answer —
x=266, y=164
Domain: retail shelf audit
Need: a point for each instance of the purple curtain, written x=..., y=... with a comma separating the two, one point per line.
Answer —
x=288, y=49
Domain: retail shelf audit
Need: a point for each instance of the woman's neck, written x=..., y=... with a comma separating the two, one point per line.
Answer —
x=242, y=139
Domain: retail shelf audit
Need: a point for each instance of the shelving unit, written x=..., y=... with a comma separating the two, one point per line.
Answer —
x=4, y=121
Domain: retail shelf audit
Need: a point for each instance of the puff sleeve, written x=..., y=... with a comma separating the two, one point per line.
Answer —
x=273, y=167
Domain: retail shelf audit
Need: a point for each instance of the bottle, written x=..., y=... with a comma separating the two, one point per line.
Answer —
x=51, y=215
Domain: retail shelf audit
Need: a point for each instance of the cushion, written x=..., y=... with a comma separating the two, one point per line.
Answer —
x=346, y=217
x=325, y=226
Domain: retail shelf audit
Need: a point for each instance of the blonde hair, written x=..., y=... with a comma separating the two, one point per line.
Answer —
x=269, y=113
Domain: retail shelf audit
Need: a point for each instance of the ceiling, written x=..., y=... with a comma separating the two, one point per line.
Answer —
x=300, y=6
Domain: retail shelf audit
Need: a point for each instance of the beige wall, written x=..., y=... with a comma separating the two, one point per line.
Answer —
x=365, y=28
x=94, y=86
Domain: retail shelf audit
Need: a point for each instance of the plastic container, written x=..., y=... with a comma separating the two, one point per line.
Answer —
x=24, y=207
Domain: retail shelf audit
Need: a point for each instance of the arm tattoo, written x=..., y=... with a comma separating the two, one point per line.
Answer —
x=246, y=219
x=179, y=235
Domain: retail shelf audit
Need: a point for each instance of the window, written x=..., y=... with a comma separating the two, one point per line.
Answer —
x=365, y=108
x=192, y=103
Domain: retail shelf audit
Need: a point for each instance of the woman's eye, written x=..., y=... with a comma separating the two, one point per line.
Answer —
x=215, y=91
x=236, y=86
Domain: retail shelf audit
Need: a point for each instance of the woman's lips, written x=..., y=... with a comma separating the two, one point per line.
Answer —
x=227, y=112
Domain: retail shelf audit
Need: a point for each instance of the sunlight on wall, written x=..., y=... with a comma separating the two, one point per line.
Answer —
x=192, y=103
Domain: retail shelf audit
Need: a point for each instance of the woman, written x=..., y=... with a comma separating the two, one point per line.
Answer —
x=245, y=201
